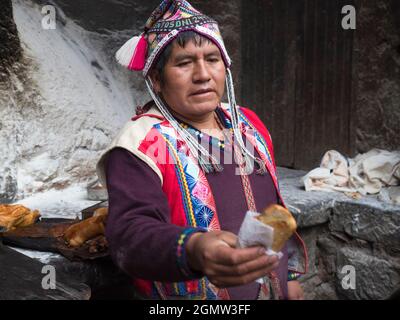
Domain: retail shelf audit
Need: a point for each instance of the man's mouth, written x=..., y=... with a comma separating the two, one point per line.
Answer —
x=202, y=91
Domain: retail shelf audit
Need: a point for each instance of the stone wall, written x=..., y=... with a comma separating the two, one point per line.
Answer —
x=125, y=18
x=65, y=100
x=10, y=49
x=377, y=75
x=10, y=53
x=340, y=231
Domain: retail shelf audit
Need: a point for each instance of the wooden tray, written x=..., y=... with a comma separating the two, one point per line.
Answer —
x=46, y=235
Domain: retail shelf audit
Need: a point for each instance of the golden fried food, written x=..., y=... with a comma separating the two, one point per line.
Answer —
x=101, y=212
x=30, y=219
x=283, y=223
x=15, y=215
x=77, y=234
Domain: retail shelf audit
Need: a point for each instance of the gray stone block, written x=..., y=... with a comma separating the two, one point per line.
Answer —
x=376, y=278
x=367, y=223
x=341, y=231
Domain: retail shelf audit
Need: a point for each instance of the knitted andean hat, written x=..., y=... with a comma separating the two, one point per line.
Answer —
x=169, y=19
x=140, y=53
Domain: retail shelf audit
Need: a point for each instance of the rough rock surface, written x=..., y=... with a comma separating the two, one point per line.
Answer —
x=376, y=74
x=10, y=49
x=103, y=278
x=10, y=52
x=66, y=98
x=340, y=231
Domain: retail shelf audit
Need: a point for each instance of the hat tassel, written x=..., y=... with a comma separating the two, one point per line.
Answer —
x=132, y=54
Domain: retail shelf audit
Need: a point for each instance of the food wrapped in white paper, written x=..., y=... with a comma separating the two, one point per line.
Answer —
x=255, y=233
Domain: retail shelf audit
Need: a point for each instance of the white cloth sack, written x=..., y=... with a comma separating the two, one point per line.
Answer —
x=367, y=173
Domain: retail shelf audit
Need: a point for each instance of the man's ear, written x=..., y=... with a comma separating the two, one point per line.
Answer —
x=155, y=79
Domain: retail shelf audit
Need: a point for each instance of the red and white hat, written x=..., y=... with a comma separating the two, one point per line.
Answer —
x=141, y=52
x=169, y=19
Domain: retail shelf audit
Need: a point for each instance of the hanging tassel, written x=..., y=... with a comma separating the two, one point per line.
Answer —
x=207, y=161
x=262, y=169
x=132, y=54
x=249, y=158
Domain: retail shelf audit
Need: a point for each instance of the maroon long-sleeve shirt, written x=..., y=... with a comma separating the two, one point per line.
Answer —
x=139, y=232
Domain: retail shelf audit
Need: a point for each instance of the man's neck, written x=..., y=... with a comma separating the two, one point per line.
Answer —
x=206, y=123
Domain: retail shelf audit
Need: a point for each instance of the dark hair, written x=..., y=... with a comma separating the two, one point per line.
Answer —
x=182, y=39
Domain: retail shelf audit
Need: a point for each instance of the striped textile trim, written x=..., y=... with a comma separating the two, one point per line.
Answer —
x=259, y=136
x=187, y=201
x=266, y=157
x=180, y=287
x=180, y=249
x=169, y=37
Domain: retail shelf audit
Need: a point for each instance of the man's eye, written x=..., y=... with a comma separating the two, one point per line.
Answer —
x=184, y=63
x=213, y=59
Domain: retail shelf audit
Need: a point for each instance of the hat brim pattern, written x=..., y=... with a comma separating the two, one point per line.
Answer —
x=168, y=26
x=206, y=32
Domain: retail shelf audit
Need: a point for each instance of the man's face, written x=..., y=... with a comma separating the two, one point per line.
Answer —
x=194, y=79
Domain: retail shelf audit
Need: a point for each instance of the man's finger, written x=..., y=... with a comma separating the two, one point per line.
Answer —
x=232, y=257
x=229, y=238
x=231, y=281
x=260, y=263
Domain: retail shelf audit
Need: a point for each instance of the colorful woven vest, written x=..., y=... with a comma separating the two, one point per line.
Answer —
x=190, y=197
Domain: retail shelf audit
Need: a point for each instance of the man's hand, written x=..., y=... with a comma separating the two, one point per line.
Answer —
x=295, y=291
x=216, y=256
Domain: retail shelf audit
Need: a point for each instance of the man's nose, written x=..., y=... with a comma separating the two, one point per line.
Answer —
x=201, y=72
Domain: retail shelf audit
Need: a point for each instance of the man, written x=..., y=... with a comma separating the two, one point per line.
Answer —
x=176, y=198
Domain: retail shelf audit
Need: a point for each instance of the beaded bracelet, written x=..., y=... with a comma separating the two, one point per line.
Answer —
x=181, y=252
x=293, y=276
